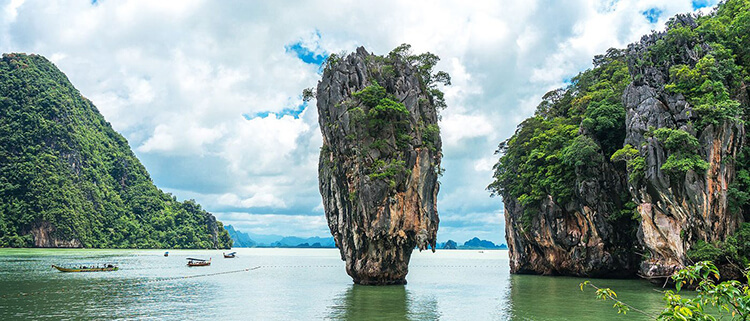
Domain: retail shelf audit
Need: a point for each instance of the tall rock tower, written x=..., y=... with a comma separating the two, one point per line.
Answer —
x=380, y=159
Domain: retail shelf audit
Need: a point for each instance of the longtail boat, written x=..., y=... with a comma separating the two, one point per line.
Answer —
x=198, y=262
x=107, y=268
x=230, y=255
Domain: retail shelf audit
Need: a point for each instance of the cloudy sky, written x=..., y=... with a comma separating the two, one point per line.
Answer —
x=208, y=92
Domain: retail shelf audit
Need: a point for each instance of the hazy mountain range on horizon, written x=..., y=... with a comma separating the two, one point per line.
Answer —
x=249, y=239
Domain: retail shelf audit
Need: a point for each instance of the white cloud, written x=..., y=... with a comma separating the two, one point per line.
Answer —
x=176, y=78
x=261, y=143
x=260, y=199
x=274, y=224
x=457, y=127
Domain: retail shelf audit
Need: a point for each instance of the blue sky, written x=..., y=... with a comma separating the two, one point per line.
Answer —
x=652, y=15
x=208, y=93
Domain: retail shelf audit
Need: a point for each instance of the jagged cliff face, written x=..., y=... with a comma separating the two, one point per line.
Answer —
x=677, y=211
x=581, y=238
x=44, y=236
x=668, y=184
x=566, y=204
x=379, y=164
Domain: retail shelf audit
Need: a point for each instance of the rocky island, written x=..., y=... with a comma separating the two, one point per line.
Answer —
x=380, y=159
x=67, y=179
x=641, y=165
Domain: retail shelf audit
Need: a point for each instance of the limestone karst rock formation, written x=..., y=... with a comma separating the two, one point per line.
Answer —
x=68, y=179
x=640, y=162
x=677, y=211
x=380, y=159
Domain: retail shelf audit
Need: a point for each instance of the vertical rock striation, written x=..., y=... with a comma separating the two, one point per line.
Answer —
x=379, y=162
x=677, y=210
x=671, y=184
x=582, y=237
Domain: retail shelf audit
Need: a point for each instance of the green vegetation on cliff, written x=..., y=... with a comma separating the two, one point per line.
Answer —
x=68, y=179
x=380, y=158
x=690, y=82
x=384, y=123
x=734, y=250
x=575, y=127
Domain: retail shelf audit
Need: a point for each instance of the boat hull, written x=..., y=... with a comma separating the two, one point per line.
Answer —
x=200, y=264
x=62, y=269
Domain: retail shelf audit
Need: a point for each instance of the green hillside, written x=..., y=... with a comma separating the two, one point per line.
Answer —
x=67, y=179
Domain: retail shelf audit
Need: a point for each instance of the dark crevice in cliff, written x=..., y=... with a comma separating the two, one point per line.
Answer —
x=380, y=160
x=684, y=105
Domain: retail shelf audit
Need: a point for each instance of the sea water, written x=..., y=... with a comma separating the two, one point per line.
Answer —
x=294, y=284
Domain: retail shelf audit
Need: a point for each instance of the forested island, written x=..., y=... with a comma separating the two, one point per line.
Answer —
x=642, y=164
x=67, y=179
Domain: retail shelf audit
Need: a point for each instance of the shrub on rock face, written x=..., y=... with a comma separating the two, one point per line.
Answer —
x=380, y=159
x=668, y=114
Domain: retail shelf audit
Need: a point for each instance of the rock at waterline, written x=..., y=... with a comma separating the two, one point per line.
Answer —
x=380, y=159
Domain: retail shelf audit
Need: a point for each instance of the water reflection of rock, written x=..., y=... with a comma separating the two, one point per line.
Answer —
x=382, y=303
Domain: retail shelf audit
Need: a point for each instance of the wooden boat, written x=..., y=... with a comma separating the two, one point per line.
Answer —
x=166, y=253
x=107, y=268
x=662, y=280
x=198, y=262
x=230, y=255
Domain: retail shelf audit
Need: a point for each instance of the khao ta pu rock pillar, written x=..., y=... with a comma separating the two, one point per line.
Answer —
x=380, y=159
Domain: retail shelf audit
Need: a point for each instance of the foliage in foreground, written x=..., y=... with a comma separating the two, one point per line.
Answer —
x=730, y=297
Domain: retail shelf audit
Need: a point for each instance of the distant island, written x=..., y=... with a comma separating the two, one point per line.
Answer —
x=245, y=239
x=473, y=244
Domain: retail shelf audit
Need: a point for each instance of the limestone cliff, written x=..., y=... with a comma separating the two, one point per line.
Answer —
x=567, y=207
x=583, y=237
x=640, y=162
x=380, y=160
x=677, y=209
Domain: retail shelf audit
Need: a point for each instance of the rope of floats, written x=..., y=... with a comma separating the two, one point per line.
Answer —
x=199, y=275
x=62, y=290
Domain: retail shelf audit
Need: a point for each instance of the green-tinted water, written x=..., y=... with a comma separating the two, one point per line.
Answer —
x=294, y=284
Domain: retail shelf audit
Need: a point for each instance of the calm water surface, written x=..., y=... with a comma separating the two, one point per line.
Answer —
x=293, y=284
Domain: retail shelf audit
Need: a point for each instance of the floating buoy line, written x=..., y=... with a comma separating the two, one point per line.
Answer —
x=200, y=275
x=62, y=290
